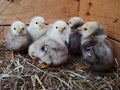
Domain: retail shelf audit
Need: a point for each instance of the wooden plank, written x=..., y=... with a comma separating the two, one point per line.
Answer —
x=3, y=31
x=104, y=11
x=116, y=49
x=24, y=10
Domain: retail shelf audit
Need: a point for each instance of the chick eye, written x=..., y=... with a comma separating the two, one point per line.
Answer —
x=70, y=22
x=44, y=48
x=64, y=28
x=85, y=29
x=14, y=28
x=36, y=22
x=56, y=27
x=23, y=28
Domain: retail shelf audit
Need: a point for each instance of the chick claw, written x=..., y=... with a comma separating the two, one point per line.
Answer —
x=34, y=59
x=62, y=66
x=12, y=54
x=44, y=66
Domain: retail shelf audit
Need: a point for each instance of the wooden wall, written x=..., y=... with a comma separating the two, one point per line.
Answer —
x=24, y=10
x=106, y=12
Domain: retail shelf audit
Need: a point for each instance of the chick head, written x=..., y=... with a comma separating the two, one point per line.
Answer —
x=60, y=27
x=75, y=22
x=32, y=51
x=18, y=28
x=90, y=27
x=43, y=47
x=37, y=22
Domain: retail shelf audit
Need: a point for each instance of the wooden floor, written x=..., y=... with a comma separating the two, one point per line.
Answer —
x=104, y=11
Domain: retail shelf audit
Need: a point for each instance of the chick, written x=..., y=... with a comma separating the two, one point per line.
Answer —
x=74, y=45
x=96, y=49
x=60, y=32
x=49, y=51
x=75, y=22
x=32, y=50
x=37, y=27
x=18, y=38
x=75, y=37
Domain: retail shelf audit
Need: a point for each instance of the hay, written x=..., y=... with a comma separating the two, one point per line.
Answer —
x=18, y=72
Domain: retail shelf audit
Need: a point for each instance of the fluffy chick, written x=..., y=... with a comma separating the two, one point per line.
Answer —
x=75, y=22
x=32, y=50
x=60, y=32
x=49, y=51
x=75, y=37
x=37, y=27
x=96, y=49
x=18, y=38
x=74, y=45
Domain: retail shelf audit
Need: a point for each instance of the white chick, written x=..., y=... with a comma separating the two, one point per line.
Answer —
x=32, y=50
x=97, y=51
x=60, y=32
x=49, y=51
x=75, y=22
x=18, y=38
x=37, y=27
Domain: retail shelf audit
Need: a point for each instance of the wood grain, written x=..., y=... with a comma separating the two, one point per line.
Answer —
x=116, y=49
x=24, y=10
x=3, y=31
x=104, y=11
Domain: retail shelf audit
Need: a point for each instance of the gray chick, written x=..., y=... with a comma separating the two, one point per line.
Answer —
x=75, y=37
x=75, y=22
x=96, y=49
x=74, y=44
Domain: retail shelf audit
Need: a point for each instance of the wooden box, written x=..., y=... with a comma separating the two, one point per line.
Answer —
x=105, y=11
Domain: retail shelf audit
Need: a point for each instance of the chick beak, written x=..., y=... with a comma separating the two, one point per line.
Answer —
x=19, y=30
x=61, y=30
x=41, y=25
x=79, y=28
